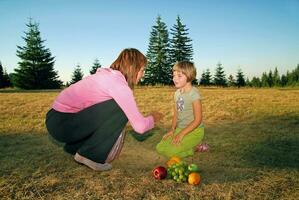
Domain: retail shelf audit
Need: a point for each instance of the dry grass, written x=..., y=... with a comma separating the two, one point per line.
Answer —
x=253, y=135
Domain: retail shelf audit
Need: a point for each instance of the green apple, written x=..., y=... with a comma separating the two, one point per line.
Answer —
x=193, y=168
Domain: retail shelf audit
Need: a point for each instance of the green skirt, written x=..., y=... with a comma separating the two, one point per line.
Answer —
x=185, y=148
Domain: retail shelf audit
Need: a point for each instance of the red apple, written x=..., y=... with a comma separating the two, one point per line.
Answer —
x=160, y=172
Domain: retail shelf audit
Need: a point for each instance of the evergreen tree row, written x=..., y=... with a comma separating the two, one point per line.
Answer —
x=78, y=74
x=270, y=79
x=36, y=66
x=219, y=79
x=273, y=79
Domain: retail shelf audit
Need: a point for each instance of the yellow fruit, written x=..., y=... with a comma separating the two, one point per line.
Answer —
x=194, y=178
x=173, y=160
x=170, y=162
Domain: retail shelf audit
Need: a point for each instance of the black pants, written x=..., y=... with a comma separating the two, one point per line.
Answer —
x=91, y=132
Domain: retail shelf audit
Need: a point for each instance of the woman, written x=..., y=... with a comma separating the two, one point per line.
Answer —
x=90, y=115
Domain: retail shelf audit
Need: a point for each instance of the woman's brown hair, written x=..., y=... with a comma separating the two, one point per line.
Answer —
x=129, y=63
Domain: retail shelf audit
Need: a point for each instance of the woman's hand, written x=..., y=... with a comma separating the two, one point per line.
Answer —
x=157, y=116
x=169, y=134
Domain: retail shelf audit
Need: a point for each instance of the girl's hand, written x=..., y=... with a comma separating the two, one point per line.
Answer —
x=177, y=139
x=169, y=134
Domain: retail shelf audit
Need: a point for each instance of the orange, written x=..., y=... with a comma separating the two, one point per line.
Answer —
x=176, y=159
x=173, y=160
x=194, y=178
x=170, y=162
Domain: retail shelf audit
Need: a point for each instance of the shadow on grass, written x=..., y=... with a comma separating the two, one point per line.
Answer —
x=237, y=151
x=274, y=153
x=240, y=150
x=27, y=152
x=278, y=149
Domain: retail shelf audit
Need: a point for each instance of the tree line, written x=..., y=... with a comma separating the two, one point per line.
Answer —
x=36, y=66
x=268, y=79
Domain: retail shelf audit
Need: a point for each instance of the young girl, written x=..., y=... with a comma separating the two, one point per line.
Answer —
x=90, y=115
x=187, y=129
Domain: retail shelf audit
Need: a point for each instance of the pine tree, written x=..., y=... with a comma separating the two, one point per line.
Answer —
x=36, y=68
x=95, y=66
x=231, y=81
x=1, y=75
x=77, y=74
x=219, y=78
x=284, y=80
x=240, y=82
x=195, y=82
x=158, y=70
x=256, y=82
x=293, y=77
x=296, y=72
x=202, y=79
x=264, y=80
x=67, y=84
x=276, y=78
x=180, y=46
x=247, y=82
x=12, y=79
x=206, y=78
x=289, y=77
x=296, y=75
x=270, y=79
x=4, y=78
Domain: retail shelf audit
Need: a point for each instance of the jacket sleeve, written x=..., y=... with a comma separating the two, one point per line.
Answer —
x=123, y=96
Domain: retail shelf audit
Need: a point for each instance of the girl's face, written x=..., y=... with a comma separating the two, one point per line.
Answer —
x=140, y=74
x=179, y=79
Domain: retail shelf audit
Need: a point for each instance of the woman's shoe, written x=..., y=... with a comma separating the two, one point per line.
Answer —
x=91, y=164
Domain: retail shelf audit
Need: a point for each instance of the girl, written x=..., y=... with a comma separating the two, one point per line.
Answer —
x=187, y=129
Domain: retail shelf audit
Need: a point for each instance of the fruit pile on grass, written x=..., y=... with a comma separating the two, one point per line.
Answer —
x=178, y=171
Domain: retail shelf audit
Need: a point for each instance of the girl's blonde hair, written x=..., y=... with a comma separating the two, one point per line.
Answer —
x=129, y=63
x=187, y=68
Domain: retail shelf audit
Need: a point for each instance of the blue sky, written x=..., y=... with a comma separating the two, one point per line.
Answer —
x=255, y=35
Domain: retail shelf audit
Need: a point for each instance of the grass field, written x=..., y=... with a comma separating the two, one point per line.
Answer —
x=254, y=150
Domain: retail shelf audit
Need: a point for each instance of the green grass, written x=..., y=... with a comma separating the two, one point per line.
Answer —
x=254, y=150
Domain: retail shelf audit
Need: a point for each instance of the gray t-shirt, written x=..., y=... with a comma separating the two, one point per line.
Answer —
x=184, y=106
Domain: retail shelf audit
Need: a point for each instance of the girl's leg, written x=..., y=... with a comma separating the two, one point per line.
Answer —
x=185, y=148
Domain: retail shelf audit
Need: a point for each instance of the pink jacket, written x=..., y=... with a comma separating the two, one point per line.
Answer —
x=105, y=84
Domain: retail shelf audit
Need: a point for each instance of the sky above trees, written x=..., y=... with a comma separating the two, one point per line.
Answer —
x=254, y=35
